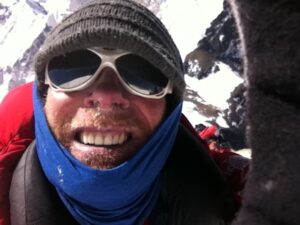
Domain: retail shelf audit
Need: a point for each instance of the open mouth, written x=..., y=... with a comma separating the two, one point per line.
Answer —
x=100, y=139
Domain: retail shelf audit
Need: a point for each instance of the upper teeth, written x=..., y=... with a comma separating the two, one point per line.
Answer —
x=93, y=138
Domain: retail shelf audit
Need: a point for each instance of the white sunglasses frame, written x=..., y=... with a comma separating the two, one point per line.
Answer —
x=108, y=57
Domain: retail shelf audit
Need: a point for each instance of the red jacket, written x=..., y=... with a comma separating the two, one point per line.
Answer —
x=17, y=132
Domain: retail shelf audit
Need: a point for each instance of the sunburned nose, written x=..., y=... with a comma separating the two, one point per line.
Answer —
x=107, y=91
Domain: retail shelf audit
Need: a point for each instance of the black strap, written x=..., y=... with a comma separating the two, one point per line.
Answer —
x=33, y=199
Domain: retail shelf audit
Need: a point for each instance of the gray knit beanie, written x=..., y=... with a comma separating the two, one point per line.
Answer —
x=119, y=24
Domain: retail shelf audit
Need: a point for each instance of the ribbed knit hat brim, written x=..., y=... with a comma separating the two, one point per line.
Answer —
x=118, y=24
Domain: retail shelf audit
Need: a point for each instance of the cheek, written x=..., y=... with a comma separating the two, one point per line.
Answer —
x=59, y=105
x=153, y=111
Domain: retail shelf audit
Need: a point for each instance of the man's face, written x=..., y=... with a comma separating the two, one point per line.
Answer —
x=103, y=125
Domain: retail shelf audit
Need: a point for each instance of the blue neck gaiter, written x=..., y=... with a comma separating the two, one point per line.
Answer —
x=124, y=195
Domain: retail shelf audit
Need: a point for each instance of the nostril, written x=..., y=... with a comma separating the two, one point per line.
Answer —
x=106, y=99
x=90, y=103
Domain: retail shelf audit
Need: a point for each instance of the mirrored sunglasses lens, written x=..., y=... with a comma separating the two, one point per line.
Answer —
x=73, y=69
x=140, y=75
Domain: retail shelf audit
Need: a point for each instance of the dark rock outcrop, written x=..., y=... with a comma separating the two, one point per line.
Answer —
x=36, y=7
x=23, y=66
x=221, y=43
x=235, y=117
x=5, y=13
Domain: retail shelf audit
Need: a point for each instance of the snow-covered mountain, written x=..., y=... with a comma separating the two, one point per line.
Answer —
x=25, y=24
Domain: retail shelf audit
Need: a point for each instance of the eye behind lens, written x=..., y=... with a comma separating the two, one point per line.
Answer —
x=72, y=69
x=141, y=75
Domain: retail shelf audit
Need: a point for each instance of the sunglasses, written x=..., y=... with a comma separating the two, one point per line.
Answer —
x=79, y=69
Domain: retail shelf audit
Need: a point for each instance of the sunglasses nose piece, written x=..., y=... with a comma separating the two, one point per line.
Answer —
x=108, y=78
